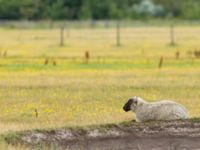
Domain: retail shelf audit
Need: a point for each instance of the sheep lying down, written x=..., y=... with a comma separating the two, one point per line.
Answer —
x=162, y=110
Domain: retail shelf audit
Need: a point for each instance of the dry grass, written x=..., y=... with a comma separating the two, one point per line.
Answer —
x=76, y=94
x=150, y=41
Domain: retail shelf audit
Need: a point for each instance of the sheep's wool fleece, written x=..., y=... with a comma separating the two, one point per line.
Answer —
x=163, y=110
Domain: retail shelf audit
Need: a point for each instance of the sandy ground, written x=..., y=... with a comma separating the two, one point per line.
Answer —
x=174, y=135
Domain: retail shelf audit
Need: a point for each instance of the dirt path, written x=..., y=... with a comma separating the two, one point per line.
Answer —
x=176, y=135
x=130, y=143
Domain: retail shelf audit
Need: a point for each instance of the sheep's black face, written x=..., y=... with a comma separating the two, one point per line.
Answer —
x=127, y=106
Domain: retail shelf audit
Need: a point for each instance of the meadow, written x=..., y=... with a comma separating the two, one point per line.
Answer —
x=75, y=93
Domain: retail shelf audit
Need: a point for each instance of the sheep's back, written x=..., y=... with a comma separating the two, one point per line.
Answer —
x=163, y=110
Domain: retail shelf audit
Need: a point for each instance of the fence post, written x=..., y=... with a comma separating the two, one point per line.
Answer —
x=172, y=40
x=118, y=37
x=160, y=63
x=62, y=29
x=87, y=56
x=54, y=62
x=5, y=54
x=46, y=61
x=177, y=55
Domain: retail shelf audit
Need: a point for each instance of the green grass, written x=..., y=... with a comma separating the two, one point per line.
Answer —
x=108, y=64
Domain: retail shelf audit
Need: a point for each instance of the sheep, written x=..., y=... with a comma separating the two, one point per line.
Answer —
x=149, y=111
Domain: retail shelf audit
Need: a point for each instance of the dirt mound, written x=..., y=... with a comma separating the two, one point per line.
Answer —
x=132, y=135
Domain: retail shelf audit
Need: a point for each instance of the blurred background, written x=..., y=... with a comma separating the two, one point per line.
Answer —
x=98, y=10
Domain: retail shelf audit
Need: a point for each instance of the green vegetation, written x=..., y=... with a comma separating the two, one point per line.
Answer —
x=98, y=9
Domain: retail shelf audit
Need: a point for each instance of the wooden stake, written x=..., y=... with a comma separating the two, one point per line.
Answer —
x=172, y=40
x=54, y=63
x=160, y=63
x=62, y=36
x=5, y=54
x=87, y=56
x=177, y=55
x=46, y=61
x=118, y=37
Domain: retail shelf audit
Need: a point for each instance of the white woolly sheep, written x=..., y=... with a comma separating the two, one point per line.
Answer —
x=162, y=110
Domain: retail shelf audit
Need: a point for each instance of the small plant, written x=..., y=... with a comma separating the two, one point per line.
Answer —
x=36, y=113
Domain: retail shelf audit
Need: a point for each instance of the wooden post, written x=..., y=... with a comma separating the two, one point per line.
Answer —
x=172, y=40
x=118, y=38
x=197, y=53
x=46, y=61
x=177, y=55
x=87, y=56
x=160, y=63
x=62, y=29
x=54, y=62
x=5, y=54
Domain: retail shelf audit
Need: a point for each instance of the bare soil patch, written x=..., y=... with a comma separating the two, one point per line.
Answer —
x=183, y=135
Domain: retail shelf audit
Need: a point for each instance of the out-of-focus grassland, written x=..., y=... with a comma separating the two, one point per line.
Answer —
x=138, y=42
x=74, y=93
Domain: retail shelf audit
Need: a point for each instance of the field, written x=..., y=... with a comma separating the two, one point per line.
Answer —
x=75, y=93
